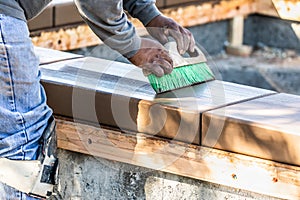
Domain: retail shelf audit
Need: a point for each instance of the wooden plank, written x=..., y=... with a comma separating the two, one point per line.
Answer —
x=236, y=33
x=48, y=56
x=118, y=95
x=284, y=9
x=288, y=9
x=268, y=128
x=266, y=7
x=202, y=12
x=230, y=169
x=65, y=39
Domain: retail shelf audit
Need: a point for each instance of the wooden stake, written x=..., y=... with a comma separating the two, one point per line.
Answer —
x=236, y=31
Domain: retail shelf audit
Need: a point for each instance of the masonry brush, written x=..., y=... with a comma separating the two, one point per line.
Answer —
x=187, y=71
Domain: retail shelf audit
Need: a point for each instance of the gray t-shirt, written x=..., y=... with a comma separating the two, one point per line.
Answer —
x=105, y=17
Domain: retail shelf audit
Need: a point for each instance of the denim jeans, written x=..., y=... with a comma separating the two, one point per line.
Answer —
x=23, y=110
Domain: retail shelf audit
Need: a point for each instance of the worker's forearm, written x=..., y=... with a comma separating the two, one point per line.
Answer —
x=144, y=10
x=109, y=22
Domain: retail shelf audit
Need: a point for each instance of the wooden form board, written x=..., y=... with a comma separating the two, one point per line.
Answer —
x=267, y=127
x=230, y=169
x=118, y=95
x=236, y=31
x=284, y=9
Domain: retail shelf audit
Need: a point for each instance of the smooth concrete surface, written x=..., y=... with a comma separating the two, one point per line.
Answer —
x=43, y=21
x=93, y=178
x=267, y=127
x=57, y=14
x=66, y=13
x=160, y=3
x=48, y=56
x=119, y=95
x=178, y=2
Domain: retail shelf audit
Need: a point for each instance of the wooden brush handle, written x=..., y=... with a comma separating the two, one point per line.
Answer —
x=178, y=60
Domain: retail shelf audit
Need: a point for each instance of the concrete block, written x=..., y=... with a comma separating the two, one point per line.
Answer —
x=178, y=2
x=267, y=127
x=118, y=95
x=160, y=3
x=48, y=56
x=43, y=20
x=66, y=13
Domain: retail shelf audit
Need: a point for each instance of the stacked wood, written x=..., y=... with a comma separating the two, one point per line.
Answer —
x=67, y=39
x=210, y=12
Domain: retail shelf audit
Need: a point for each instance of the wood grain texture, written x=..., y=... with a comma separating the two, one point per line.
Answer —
x=230, y=169
x=118, y=95
x=284, y=9
x=236, y=31
x=268, y=128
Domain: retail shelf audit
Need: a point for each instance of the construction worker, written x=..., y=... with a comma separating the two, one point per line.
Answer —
x=24, y=114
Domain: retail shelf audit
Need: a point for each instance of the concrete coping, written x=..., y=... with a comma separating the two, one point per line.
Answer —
x=216, y=114
x=110, y=110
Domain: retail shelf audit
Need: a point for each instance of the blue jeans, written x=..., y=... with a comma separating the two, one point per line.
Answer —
x=23, y=110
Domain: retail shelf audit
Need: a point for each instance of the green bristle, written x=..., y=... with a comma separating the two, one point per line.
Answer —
x=181, y=77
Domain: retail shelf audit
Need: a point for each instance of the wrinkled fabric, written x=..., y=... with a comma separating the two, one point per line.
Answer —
x=105, y=17
x=109, y=22
x=24, y=113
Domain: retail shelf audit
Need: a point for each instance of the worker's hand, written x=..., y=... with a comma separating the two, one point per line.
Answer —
x=162, y=27
x=153, y=58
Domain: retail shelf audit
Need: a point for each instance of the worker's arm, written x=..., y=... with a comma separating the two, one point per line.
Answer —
x=159, y=26
x=32, y=8
x=109, y=22
x=144, y=10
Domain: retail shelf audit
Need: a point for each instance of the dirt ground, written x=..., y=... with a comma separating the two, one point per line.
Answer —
x=267, y=67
